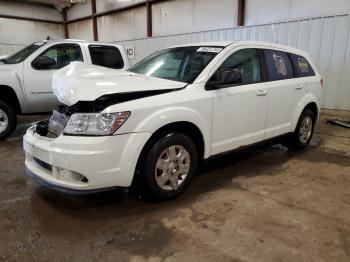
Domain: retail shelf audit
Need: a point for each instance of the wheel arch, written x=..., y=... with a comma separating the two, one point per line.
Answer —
x=185, y=127
x=8, y=95
x=309, y=101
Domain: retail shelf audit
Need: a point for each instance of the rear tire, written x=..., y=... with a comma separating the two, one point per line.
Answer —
x=168, y=167
x=304, y=130
x=8, y=120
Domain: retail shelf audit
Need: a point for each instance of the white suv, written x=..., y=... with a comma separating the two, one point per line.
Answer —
x=151, y=125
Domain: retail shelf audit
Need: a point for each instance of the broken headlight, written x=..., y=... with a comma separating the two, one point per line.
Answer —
x=95, y=124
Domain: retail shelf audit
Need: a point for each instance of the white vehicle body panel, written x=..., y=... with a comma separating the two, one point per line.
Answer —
x=227, y=118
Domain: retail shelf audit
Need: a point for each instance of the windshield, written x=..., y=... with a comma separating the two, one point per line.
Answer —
x=183, y=64
x=22, y=54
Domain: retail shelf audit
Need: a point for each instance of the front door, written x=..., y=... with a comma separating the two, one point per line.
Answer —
x=38, y=77
x=240, y=108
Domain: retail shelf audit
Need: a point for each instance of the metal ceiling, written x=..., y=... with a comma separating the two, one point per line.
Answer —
x=58, y=4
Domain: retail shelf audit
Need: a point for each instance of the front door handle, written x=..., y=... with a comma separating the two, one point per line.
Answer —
x=262, y=92
x=299, y=86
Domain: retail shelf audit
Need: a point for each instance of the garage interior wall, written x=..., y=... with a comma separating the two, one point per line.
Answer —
x=320, y=27
x=268, y=11
x=15, y=34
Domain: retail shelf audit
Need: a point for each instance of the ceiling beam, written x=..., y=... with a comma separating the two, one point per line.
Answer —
x=29, y=2
x=30, y=19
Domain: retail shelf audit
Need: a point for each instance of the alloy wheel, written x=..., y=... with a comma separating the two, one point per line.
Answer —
x=4, y=121
x=172, y=167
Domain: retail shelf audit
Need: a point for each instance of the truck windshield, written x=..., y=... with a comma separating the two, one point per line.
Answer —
x=22, y=54
x=183, y=64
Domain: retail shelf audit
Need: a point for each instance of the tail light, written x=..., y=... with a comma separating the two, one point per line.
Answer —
x=321, y=82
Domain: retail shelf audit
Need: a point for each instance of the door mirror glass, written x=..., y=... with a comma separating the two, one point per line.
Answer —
x=44, y=62
x=229, y=76
x=226, y=77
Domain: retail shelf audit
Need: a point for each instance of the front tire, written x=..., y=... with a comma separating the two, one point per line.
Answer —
x=8, y=120
x=169, y=166
x=304, y=130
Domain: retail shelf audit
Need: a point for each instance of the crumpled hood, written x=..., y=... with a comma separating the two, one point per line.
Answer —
x=84, y=82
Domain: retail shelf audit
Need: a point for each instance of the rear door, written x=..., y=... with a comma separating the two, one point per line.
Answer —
x=285, y=91
x=239, y=111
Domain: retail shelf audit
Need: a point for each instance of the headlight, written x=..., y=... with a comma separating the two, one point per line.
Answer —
x=95, y=124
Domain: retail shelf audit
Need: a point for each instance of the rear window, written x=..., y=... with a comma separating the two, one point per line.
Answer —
x=278, y=65
x=107, y=56
x=301, y=66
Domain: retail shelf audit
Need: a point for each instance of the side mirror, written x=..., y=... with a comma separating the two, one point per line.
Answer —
x=43, y=62
x=226, y=77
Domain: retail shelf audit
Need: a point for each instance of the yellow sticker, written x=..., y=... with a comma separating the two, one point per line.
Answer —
x=303, y=65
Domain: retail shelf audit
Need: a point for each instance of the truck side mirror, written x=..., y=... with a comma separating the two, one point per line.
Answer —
x=43, y=62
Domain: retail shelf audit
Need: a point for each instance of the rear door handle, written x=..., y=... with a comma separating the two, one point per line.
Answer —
x=262, y=92
x=300, y=86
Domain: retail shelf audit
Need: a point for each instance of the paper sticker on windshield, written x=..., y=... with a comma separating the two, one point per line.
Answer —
x=209, y=49
x=39, y=43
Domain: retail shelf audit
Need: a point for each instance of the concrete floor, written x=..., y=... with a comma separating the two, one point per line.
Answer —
x=264, y=204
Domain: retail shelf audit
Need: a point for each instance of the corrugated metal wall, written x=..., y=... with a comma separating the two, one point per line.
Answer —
x=326, y=39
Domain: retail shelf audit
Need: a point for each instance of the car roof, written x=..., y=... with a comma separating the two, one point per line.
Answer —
x=217, y=43
x=248, y=43
x=77, y=41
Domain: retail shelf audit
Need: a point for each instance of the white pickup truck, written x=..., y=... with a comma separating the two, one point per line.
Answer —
x=26, y=76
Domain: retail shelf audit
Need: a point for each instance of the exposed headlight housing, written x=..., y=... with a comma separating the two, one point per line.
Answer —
x=95, y=124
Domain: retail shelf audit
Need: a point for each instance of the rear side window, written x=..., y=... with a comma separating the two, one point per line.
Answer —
x=301, y=66
x=278, y=65
x=107, y=56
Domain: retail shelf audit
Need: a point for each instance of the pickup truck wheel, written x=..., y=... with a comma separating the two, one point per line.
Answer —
x=169, y=166
x=8, y=120
x=304, y=130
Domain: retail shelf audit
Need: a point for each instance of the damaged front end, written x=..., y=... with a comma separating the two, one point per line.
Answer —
x=55, y=126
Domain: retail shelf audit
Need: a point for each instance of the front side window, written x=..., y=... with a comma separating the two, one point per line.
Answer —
x=107, y=56
x=278, y=65
x=58, y=56
x=21, y=55
x=242, y=67
x=183, y=64
x=301, y=66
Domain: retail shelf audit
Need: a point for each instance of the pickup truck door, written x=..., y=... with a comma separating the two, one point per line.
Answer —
x=239, y=110
x=38, y=71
